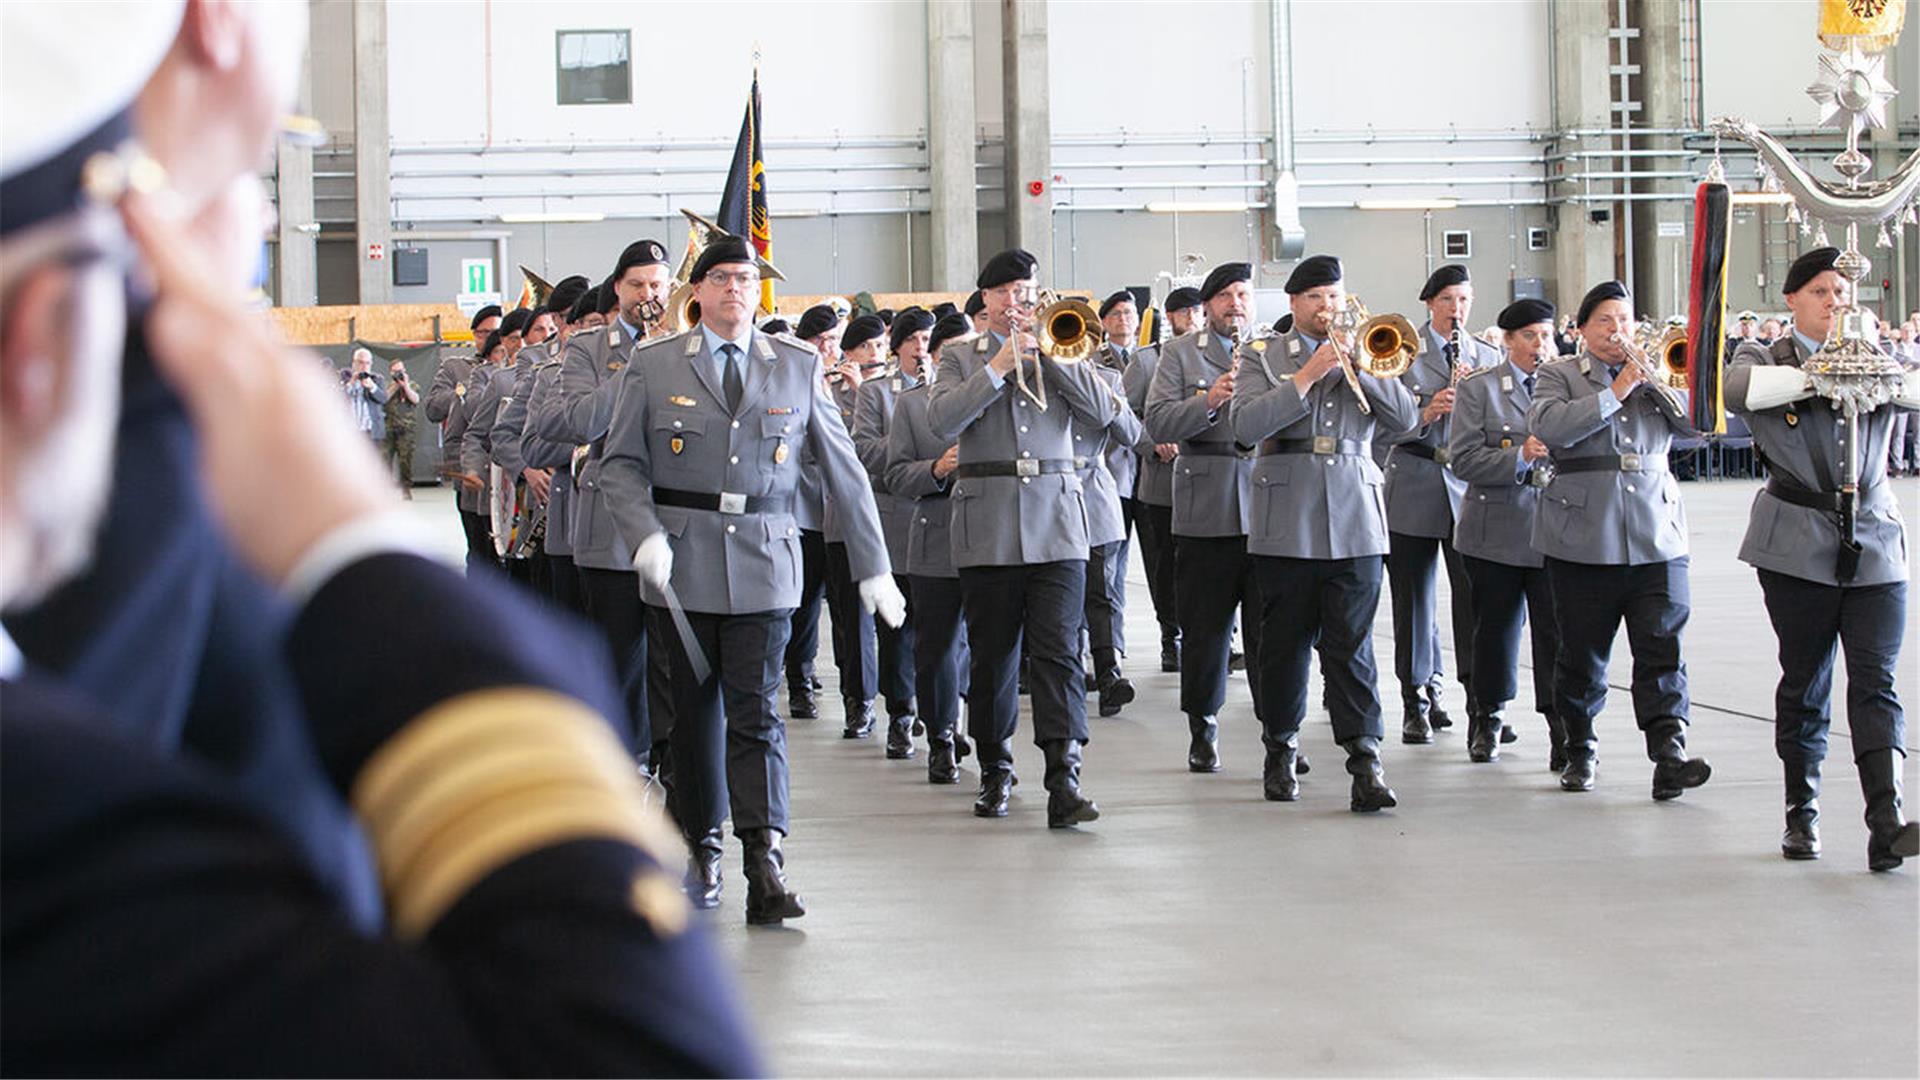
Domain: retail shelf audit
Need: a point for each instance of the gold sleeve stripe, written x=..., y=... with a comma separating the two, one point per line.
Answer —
x=486, y=778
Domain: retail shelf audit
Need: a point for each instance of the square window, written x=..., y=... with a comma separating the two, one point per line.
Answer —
x=1456, y=244
x=594, y=67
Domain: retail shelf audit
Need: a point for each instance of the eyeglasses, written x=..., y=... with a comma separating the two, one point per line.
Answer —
x=746, y=279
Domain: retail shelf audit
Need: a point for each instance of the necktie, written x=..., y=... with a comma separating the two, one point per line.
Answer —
x=734, y=387
x=1528, y=383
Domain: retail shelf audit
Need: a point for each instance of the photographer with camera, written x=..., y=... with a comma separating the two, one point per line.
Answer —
x=396, y=449
x=365, y=400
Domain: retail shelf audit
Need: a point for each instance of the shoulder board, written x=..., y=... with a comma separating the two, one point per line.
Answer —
x=654, y=343
x=613, y=334
x=790, y=340
x=1477, y=372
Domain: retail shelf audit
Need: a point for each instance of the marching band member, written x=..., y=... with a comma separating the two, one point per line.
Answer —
x=1824, y=587
x=1108, y=471
x=1153, y=493
x=445, y=406
x=819, y=327
x=1505, y=466
x=1193, y=383
x=1019, y=531
x=976, y=309
x=872, y=413
x=584, y=317
x=700, y=476
x=1319, y=531
x=1184, y=314
x=1423, y=499
x=855, y=644
x=1614, y=534
x=919, y=473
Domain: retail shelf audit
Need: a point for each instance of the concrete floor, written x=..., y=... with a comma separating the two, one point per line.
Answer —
x=1492, y=925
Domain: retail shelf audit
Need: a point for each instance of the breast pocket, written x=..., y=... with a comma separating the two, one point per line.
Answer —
x=679, y=445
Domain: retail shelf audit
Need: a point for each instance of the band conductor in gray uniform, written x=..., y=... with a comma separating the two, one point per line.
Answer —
x=1614, y=534
x=1822, y=587
x=700, y=474
x=445, y=406
x=1319, y=535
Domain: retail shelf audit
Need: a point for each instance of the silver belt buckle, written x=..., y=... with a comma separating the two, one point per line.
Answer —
x=1629, y=462
x=732, y=502
x=1442, y=456
x=1541, y=476
x=1026, y=467
x=1325, y=444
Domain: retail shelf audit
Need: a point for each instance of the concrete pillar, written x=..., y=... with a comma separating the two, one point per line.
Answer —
x=298, y=283
x=955, y=223
x=1662, y=254
x=1023, y=55
x=372, y=187
x=1583, y=249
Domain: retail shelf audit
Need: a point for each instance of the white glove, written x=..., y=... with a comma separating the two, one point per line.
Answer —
x=654, y=561
x=880, y=596
x=1773, y=385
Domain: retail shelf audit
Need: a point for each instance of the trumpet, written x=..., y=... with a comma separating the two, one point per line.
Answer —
x=1651, y=373
x=1669, y=347
x=1386, y=344
x=1064, y=332
x=651, y=312
x=682, y=310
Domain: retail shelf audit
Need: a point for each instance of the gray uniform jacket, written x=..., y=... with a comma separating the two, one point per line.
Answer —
x=844, y=399
x=481, y=445
x=1123, y=457
x=1613, y=517
x=580, y=414
x=1014, y=520
x=1503, y=493
x=1799, y=540
x=1100, y=486
x=458, y=380
x=1423, y=497
x=912, y=448
x=1154, y=483
x=671, y=431
x=1323, y=501
x=872, y=412
x=541, y=453
x=1212, y=480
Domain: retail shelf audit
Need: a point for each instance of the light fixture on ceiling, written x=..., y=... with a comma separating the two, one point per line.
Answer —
x=553, y=217
x=1406, y=204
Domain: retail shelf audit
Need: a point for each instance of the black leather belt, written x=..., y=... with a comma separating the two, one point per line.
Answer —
x=1022, y=467
x=1324, y=445
x=1787, y=491
x=941, y=494
x=726, y=502
x=1439, y=455
x=1212, y=449
x=1612, y=463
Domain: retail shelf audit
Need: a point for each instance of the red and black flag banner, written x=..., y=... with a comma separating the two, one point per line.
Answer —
x=1707, y=308
x=743, y=201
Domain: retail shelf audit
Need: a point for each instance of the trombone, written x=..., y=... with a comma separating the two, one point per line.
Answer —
x=1656, y=377
x=1064, y=332
x=1387, y=346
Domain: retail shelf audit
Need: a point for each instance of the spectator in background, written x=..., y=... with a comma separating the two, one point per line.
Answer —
x=1563, y=337
x=397, y=448
x=365, y=400
x=1770, y=331
x=1903, y=344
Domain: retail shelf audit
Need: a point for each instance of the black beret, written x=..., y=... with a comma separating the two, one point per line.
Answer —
x=949, y=327
x=491, y=311
x=492, y=343
x=1313, y=272
x=566, y=292
x=1111, y=302
x=1224, y=275
x=516, y=320
x=886, y=316
x=640, y=253
x=606, y=299
x=1450, y=274
x=908, y=323
x=1184, y=297
x=587, y=303
x=1012, y=264
x=1524, y=313
x=1807, y=267
x=776, y=325
x=723, y=250
x=1283, y=324
x=975, y=304
x=815, y=321
x=861, y=330
x=943, y=309
x=1599, y=294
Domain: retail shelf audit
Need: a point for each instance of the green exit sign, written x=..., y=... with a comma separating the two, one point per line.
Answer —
x=476, y=275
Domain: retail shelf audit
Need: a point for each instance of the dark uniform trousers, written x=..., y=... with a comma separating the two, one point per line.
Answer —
x=1412, y=570
x=1157, y=559
x=1326, y=604
x=855, y=648
x=804, y=645
x=1038, y=605
x=1107, y=598
x=563, y=584
x=1868, y=622
x=1503, y=596
x=728, y=745
x=1589, y=603
x=1216, y=576
x=939, y=651
x=479, y=542
x=895, y=653
x=612, y=599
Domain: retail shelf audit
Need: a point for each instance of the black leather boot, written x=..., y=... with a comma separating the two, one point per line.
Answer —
x=1116, y=690
x=900, y=738
x=1802, y=838
x=1891, y=838
x=1370, y=790
x=1279, y=774
x=859, y=719
x=1436, y=713
x=1483, y=734
x=1416, y=726
x=801, y=704
x=1508, y=735
x=1580, y=773
x=1556, y=742
x=1203, y=752
x=769, y=900
x=996, y=780
x=1673, y=771
x=1065, y=805
x=943, y=761
x=703, y=869
x=1169, y=651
